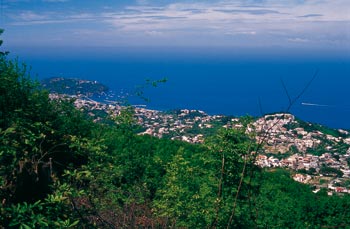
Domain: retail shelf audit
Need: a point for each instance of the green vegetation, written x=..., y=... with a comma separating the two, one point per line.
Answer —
x=328, y=171
x=71, y=86
x=318, y=151
x=309, y=127
x=286, y=204
x=59, y=169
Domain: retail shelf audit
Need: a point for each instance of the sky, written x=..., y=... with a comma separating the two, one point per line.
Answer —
x=292, y=24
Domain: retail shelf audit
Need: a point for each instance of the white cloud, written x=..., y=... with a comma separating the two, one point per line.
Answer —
x=209, y=22
x=298, y=40
x=246, y=32
x=224, y=13
x=154, y=33
x=30, y=16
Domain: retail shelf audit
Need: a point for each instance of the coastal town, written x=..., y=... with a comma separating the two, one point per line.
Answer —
x=285, y=143
x=327, y=167
x=316, y=155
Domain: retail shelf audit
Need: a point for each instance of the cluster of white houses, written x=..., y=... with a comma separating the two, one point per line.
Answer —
x=277, y=132
x=299, y=162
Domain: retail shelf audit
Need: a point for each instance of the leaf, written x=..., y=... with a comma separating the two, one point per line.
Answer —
x=24, y=226
x=74, y=223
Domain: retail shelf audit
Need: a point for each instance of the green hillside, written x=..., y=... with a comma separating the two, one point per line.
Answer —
x=60, y=169
x=74, y=86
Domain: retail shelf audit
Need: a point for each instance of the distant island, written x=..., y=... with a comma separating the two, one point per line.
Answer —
x=75, y=86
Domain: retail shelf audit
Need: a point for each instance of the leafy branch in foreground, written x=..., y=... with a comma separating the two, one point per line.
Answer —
x=140, y=90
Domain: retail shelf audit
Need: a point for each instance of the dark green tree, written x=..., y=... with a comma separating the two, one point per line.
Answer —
x=187, y=198
x=39, y=139
x=235, y=153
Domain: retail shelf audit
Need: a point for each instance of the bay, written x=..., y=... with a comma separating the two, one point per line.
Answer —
x=215, y=82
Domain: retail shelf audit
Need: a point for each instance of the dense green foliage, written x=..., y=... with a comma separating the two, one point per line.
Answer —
x=311, y=127
x=58, y=169
x=73, y=86
x=286, y=204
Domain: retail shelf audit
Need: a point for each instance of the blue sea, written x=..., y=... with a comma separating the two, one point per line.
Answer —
x=217, y=81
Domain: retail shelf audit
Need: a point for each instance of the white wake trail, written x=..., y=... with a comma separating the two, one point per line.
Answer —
x=314, y=104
